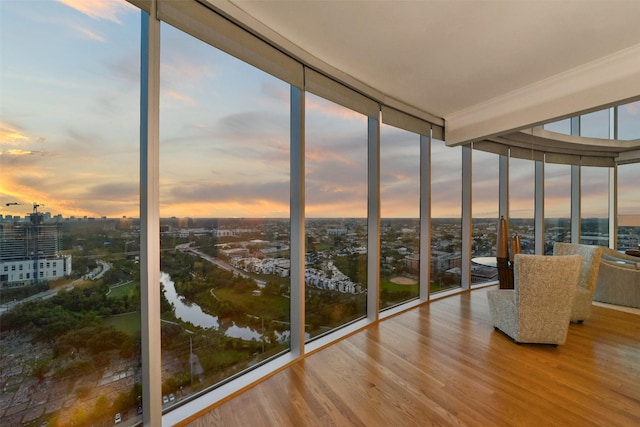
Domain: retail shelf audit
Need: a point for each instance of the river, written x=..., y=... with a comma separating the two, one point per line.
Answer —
x=193, y=313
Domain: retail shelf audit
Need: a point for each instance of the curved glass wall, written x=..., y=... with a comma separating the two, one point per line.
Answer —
x=594, y=206
x=336, y=215
x=485, y=181
x=400, y=216
x=224, y=208
x=521, y=202
x=621, y=122
x=557, y=205
x=69, y=230
x=446, y=217
x=225, y=221
x=628, y=207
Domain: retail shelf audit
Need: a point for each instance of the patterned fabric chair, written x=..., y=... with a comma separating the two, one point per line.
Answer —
x=591, y=256
x=538, y=309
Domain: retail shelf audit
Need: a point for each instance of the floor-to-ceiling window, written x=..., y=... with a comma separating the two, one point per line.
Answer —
x=594, y=205
x=485, y=185
x=224, y=215
x=400, y=215
x=446, y=217
x=628, y=207
x=557, y=205
x=628, y=178
x=336, y=215
x=69, y=168
x=521, y=202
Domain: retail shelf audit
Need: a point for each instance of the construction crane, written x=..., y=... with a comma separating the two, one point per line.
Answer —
x=36, y=206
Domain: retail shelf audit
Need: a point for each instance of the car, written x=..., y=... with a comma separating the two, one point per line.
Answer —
x=117, y=418
x=172, y=397
x=165, y=400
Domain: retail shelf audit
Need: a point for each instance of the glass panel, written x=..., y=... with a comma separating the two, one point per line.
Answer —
x=69, y=230
x=336, y=212
x=446, y=216
x=594, y=206
x=522, y=203
x=628, y=207
x=629, y=121
x=595, y=125
x=485, y=187
x=400, y=216
x=224, y=196
x=557, y=205
x=562, y=126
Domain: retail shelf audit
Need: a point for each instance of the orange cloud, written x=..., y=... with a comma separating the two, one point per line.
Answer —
x=18, y=152
x=11, y=136
x=100, y=9
x=257, y=209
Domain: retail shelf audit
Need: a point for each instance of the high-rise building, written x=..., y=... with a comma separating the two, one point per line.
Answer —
x=30, y=252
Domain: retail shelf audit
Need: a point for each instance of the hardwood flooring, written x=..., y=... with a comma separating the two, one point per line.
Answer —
x=443, y=364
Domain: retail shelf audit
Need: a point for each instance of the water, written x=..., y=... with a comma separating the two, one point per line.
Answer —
x=193, y=313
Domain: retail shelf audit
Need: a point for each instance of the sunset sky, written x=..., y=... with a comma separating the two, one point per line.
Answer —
x=69, y=132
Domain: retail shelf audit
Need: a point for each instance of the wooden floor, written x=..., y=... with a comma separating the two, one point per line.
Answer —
x=443, y=364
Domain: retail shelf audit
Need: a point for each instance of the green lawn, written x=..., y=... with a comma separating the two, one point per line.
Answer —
x=395, y=287
x=270, y=306
x=128, y=323
x=122, y=290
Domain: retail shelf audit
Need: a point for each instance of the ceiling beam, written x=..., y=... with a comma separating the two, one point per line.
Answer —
x=612, y=80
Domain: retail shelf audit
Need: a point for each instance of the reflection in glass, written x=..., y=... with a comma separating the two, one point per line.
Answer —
x=336, y=215
x=557, y=205
x=69, y=228
x=446, y=213
x=485, y=187
x=400, y=216
x=594, y=206
x=224, y=226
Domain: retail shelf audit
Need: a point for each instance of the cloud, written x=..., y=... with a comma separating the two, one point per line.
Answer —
x=100, y=9
x=90, y=34
x=11, y=136
x=174, y=95
x=18, y=152
x=315, y=104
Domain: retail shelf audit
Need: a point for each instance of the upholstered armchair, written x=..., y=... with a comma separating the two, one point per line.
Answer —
x=588, y=276
x=538, y=309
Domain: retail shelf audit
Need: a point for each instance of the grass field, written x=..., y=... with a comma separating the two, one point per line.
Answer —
x=128, y=323
x=395, y=287
x=122, y=290
x=270, y=306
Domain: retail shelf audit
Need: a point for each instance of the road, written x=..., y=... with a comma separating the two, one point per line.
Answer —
x=222, y=264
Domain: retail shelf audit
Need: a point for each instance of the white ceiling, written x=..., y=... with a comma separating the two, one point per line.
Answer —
x=484, y=67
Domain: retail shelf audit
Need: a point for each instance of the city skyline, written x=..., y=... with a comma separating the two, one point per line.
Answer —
x=69, y=133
